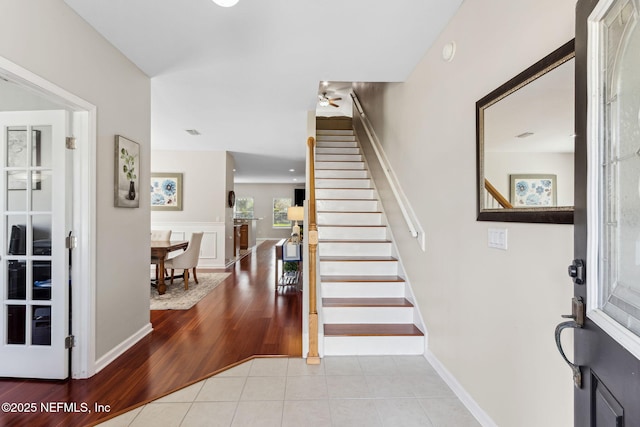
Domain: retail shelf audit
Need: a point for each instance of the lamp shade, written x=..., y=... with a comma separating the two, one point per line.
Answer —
x=295, y=213
x=225, y=3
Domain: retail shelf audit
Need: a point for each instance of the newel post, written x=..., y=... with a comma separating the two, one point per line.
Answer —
x=312, y=234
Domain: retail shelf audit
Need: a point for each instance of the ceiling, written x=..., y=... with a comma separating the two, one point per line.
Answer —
x=245, y=77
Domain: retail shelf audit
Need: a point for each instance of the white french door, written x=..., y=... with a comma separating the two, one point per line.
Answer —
x=34, y=263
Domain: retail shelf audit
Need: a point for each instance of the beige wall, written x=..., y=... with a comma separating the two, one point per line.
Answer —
x=203, y=184
x=490, y=313
x=47, y=38
x=207, y=178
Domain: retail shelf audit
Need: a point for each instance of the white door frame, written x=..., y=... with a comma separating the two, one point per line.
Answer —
x=83, y=274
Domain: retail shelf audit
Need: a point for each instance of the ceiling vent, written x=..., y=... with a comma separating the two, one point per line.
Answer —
x=524, y=135
x=192, y=132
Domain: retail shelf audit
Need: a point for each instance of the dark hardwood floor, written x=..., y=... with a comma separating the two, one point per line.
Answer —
x=241, y=318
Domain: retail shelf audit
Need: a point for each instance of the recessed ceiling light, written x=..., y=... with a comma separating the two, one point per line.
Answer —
x=225, y=3
x=192, y=132
x=325, y=83
x=295, y=179
x=234, y=170
x=292, y=170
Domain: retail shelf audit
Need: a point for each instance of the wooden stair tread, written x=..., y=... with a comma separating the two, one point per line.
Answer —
x=360, y=278
x=358, y=258
x=354, y=241
x=371, y=329
x=358, y=212
x=344, y=188
x=350, y=225
x=365, y=302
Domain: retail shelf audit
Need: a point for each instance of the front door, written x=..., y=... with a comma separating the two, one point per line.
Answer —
x=34, y=268
x=607, y=218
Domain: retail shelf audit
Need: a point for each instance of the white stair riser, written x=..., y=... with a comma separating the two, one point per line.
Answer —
x=361, y=346
x=367, y=314
x=349, y=218
x=326, y=144
x=337, y=150
x=352, y=233
x=358, y=268
x=342, y=183
x=344, y=193
x=320, y=132
x=347, y=205
x=334, y=173
x=350, y=248
x=363, y=289
x=338, y=158
x=339, y=165
x=335, y=138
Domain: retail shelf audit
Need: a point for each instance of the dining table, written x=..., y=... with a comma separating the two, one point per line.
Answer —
x=160, y=250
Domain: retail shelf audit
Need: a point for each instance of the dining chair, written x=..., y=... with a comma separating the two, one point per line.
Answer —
x=159, y=236
x=187, y=260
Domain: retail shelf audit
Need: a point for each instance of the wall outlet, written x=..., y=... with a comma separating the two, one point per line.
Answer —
x=498, y=238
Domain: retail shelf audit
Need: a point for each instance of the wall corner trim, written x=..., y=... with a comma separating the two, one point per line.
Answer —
x=483, y=418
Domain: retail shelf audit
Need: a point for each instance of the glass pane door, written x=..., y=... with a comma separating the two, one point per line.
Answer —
x=33, y=266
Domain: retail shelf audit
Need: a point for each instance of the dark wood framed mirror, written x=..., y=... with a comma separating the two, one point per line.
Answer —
x=525, y=144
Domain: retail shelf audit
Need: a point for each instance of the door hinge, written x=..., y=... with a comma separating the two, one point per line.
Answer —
x=70, y=143
x=71, y=242
x=70, y=341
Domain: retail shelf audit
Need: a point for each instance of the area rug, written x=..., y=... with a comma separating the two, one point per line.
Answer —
x=176, y=298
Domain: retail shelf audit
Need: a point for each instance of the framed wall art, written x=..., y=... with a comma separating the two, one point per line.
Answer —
x=17, y=158
x=531, y=190
x=127, y=161
x=166, y=191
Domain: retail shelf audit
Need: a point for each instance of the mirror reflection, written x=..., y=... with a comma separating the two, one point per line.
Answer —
x=525, y=144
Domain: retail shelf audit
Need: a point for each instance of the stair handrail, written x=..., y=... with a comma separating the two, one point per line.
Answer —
x=403, y=203
x=497, y=195
x=313, y=357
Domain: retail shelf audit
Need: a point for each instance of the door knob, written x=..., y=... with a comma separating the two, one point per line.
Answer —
x=577, y=271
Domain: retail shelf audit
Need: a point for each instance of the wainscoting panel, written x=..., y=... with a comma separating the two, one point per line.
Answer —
x=213, y=241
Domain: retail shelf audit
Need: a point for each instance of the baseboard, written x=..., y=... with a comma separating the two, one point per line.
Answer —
x=125, y=345
x=483, y=418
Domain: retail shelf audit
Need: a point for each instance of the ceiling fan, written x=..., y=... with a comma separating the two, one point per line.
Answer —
x=324, y=101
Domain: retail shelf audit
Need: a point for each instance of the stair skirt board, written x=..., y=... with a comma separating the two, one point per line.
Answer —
x=364, y=309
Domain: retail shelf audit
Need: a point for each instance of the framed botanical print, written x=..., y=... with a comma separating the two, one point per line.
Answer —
x=166, y=191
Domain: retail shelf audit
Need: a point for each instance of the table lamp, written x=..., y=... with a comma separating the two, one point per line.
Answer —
x=295, y=213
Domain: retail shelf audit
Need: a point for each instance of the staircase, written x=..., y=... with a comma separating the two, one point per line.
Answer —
x=364, y=307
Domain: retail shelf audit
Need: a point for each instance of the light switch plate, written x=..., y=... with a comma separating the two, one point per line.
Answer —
x=498, y=238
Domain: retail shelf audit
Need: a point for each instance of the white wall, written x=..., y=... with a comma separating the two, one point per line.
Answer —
x=263, y=195
x=205, y=183
x=50, y=40
x=490, y=313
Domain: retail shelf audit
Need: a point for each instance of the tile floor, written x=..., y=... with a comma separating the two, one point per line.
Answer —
x=341, y=391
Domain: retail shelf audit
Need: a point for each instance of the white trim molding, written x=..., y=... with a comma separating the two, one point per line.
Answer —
x=483, y=418
x=84, y=211
x=125, y=345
